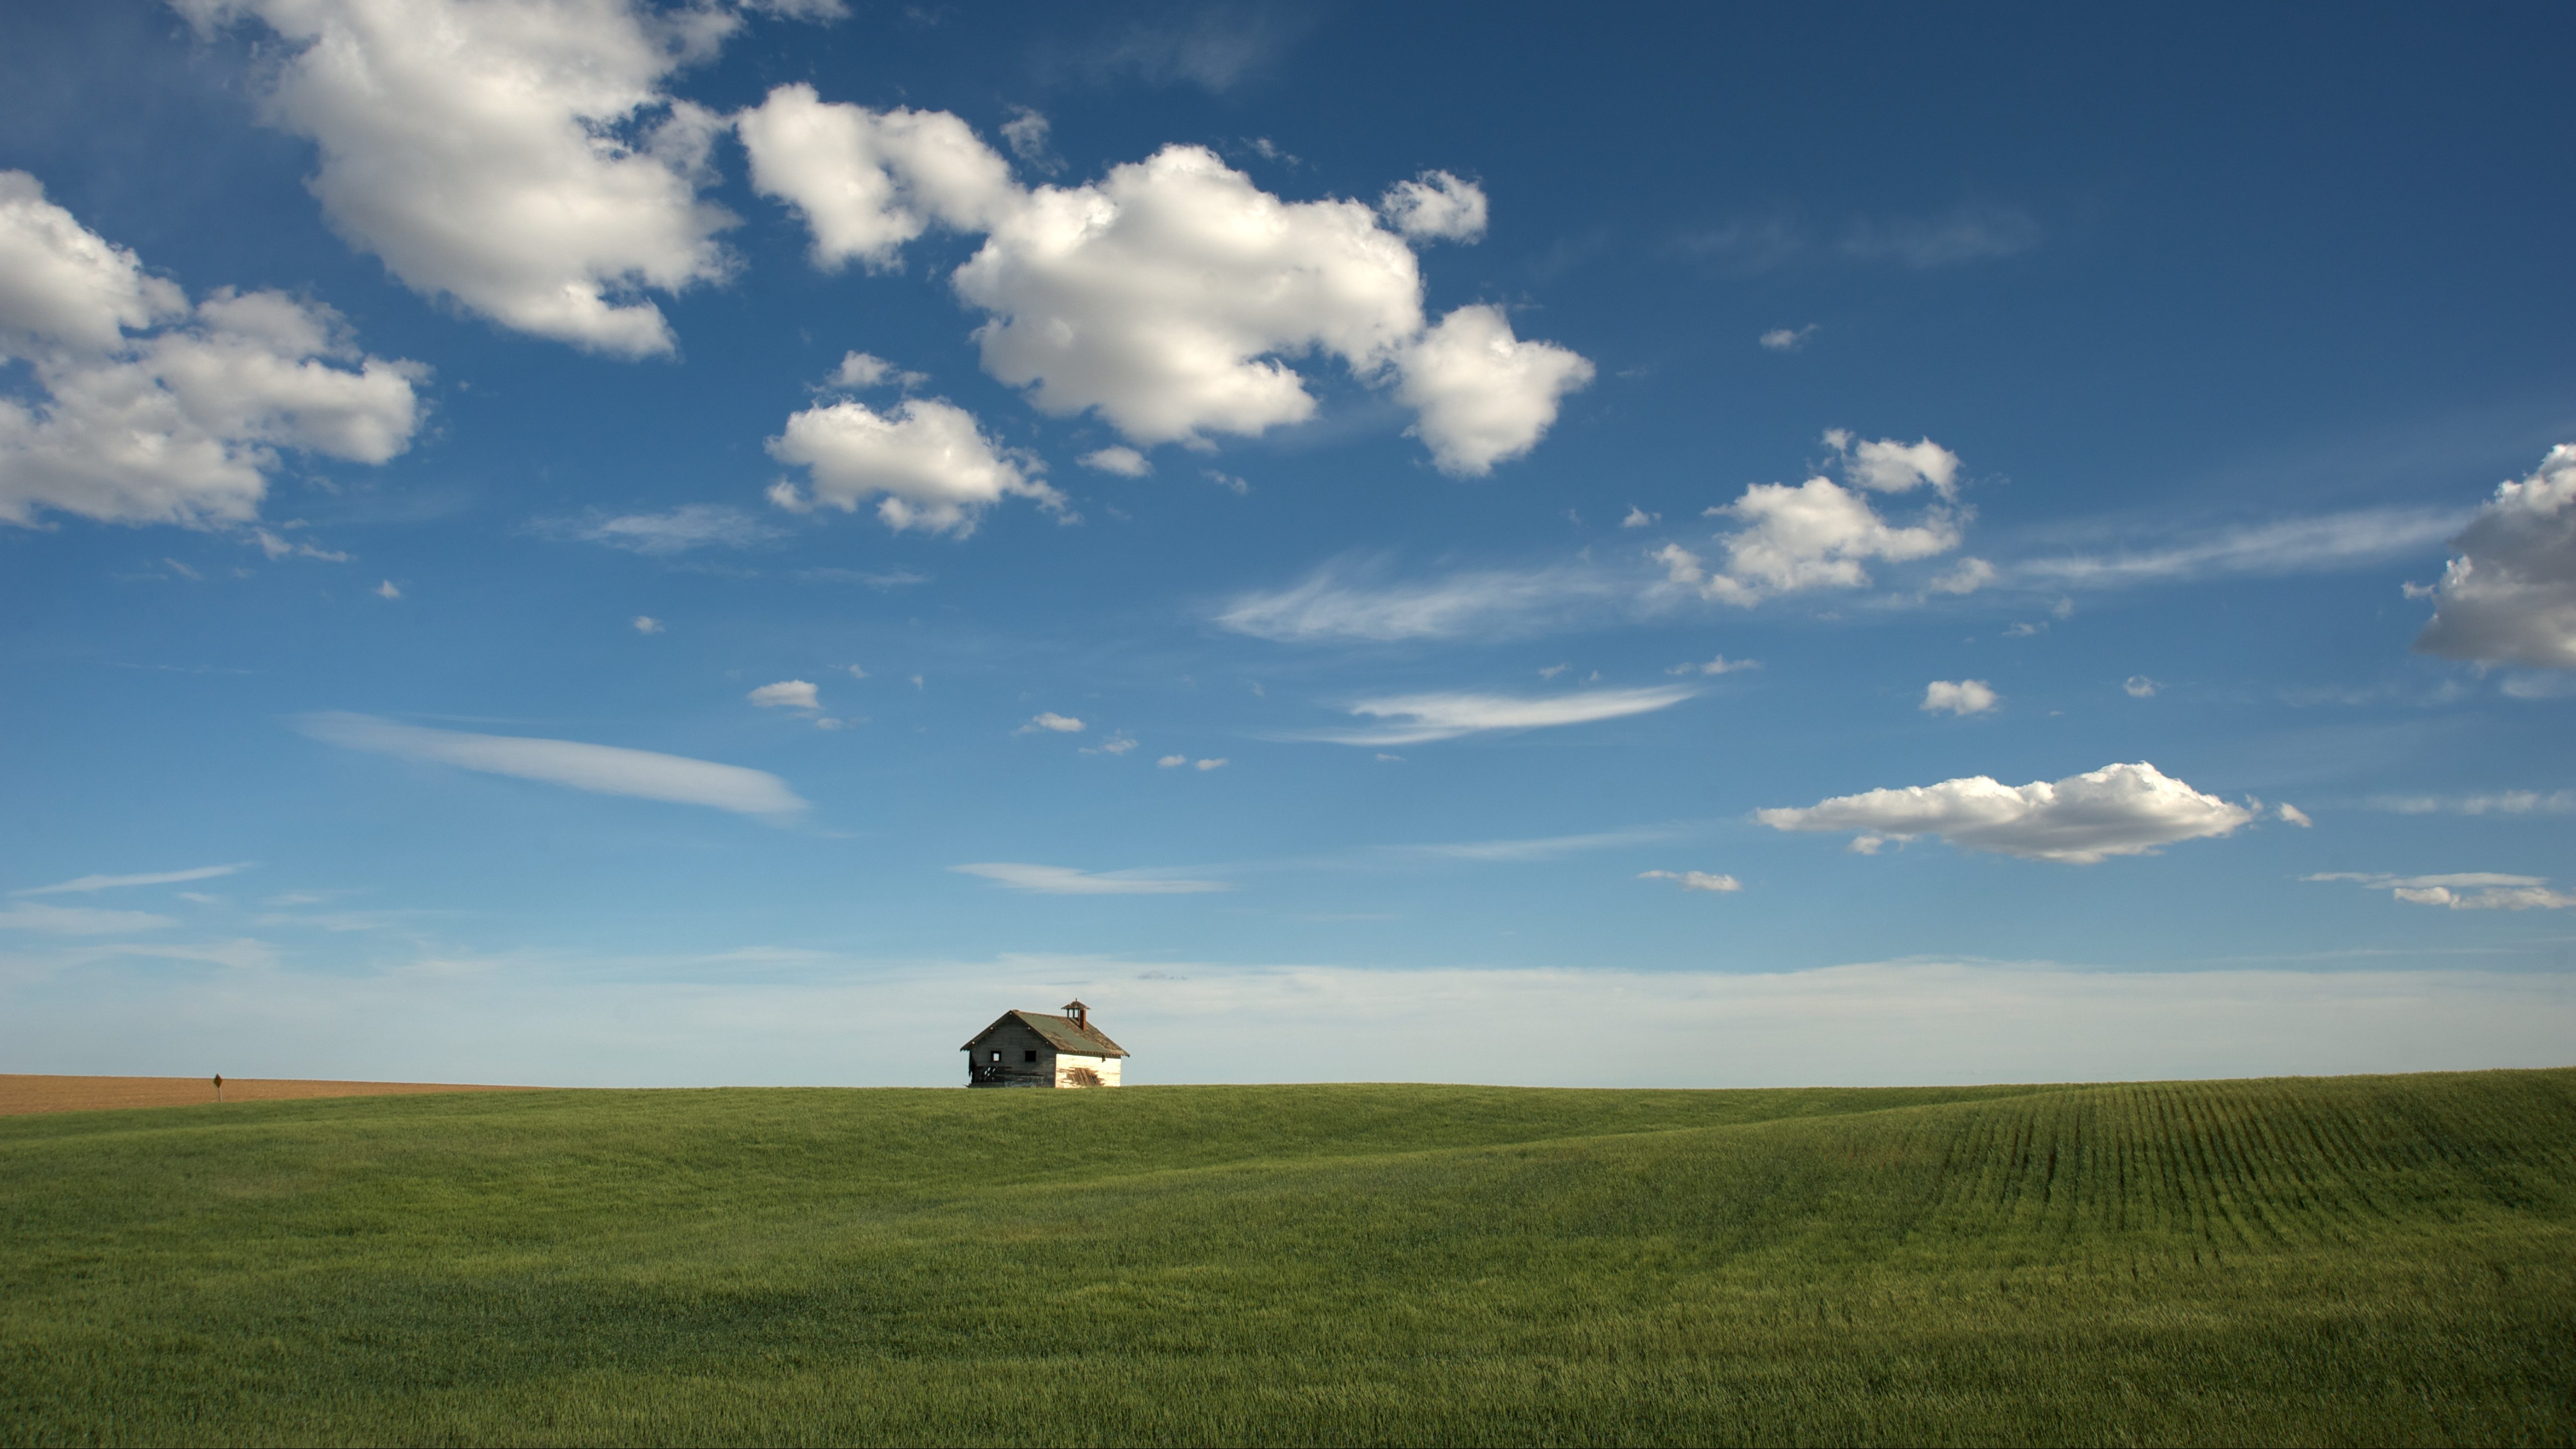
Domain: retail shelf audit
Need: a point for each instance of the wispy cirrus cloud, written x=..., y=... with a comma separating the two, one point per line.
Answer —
x=336, y=921
x=2285, y=546
x=2428, y=882
x=1546, y=847
x=2462, y=890
x=1059, y=880
x=881, y=580
x=1962, y=234
x=1215, y=47
x=2502, y=802
x=659, y=535
x=1966, y=233
x=1345, y=600
x=1695, y=880
x=1352, y=601
x=118, y=882
x=1420, y=718
x=600, y=769
x=79, y=920
x=1749, y=245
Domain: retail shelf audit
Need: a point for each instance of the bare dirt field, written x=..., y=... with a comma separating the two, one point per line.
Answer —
x=20, y=1094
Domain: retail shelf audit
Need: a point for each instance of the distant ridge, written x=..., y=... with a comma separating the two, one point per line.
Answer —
x=22, y=1093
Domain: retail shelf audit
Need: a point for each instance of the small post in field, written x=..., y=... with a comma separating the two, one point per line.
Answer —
x=219, y=1086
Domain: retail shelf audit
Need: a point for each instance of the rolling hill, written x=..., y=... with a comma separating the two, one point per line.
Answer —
x=2344, y=1260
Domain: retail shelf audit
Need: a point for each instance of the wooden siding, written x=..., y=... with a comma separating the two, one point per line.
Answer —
x=1014, y=1042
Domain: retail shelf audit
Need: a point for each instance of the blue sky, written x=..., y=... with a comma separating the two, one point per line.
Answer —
x=576, y=542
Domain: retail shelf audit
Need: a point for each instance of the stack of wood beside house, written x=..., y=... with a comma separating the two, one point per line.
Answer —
x=1034, y=1049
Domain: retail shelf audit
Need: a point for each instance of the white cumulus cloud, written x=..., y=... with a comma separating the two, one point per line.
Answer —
x=1813, y=536
x=1124, y=461
x=1173, y=296
x=1821, y=534
x=925, y=462
x=1063, y=724
x=1028, y=134
x=63, y=285
x=1415, y=718
x=1966, y=577
x=1959, y=696
x=861, y=370
x=1436, y=207
x=2510, y=596
x=1888, y=466
x=1484, y=396
x=604, y=769
x=1058, y=880
x=2115, y=810
x=525, y=159
x=866, y=182
x=787, y=694
x=183, y=424
x=1163, y=296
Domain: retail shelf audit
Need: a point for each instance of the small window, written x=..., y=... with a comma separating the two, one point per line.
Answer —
x=997, y=1056
x=1029, y=1055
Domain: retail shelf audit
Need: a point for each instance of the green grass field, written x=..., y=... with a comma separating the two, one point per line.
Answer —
x=2348, y=1260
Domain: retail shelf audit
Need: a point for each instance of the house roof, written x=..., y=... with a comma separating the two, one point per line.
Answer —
x=1060, y=1032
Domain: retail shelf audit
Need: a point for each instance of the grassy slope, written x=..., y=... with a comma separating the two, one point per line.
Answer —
x=2345, y=1260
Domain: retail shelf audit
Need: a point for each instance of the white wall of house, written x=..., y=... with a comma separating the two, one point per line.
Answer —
x=1107, y=1067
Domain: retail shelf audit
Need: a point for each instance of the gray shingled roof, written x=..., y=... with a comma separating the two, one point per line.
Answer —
x=1060, y=1032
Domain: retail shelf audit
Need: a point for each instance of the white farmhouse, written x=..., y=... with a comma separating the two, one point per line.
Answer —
x=1033, y=1049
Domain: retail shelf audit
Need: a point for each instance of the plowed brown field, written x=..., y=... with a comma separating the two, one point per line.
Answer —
x=21, y=1094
